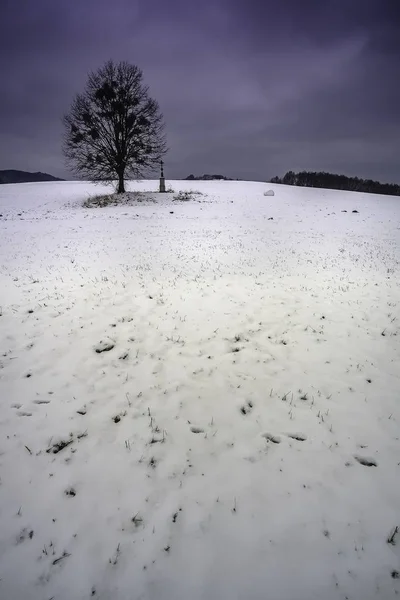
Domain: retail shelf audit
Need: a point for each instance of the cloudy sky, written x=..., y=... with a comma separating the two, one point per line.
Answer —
x=248, y=88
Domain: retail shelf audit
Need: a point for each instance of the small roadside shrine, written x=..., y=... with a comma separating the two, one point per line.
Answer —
x=162, y=178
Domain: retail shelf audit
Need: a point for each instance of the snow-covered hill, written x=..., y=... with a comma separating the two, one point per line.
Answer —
x=199, y=399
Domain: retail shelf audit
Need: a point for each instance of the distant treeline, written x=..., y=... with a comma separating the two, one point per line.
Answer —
x=14, y=176
x=337, y=182
x=207, y=177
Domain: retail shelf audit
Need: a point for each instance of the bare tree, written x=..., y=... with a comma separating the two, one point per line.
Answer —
x=114, y=130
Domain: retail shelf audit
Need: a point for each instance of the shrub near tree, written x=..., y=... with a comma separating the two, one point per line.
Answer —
x=114, y=130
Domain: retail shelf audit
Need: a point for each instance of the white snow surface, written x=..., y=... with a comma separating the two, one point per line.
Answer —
x=251, y=353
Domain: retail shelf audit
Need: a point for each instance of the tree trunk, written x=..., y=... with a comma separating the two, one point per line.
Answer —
x=121, y=184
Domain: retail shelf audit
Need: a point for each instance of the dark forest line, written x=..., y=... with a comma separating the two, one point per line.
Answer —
x=332, y=181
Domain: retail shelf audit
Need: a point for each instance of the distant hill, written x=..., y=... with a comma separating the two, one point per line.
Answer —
x=207, y=178
x=332, y=181
x=13, y=176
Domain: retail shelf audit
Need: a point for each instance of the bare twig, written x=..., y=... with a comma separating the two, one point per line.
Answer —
x=391, y=539
x=60, y=558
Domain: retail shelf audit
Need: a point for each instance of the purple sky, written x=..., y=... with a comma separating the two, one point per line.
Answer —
x=249, y=88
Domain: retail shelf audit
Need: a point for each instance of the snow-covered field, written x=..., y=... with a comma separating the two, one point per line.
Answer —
x=216, y=450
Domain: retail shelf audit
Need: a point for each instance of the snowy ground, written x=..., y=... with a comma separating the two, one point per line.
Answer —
x=212, y=452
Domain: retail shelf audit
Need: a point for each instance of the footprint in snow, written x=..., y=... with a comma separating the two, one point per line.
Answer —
x=196, y=430
x=16, y=405
x=300, y=437
x=41, y=402
x=24, y=535
x=366, y=461
x=246, y=408
x=270, y=437
x=24, y=413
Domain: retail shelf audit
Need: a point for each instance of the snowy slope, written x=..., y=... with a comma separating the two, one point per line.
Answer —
x=213, y=451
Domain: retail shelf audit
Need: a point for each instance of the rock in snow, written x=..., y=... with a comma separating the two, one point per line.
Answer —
x=104, y=346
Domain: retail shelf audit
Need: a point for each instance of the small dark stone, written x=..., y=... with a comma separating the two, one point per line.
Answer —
x=395, y=574
x=116, y=419
x=104, y=346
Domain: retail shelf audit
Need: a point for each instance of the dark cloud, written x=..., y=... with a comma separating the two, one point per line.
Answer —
x=248, y=88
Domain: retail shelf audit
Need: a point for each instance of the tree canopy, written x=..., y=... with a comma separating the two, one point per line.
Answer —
x=114, y=130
